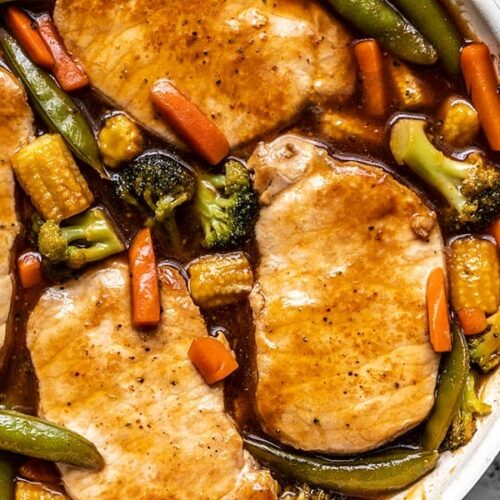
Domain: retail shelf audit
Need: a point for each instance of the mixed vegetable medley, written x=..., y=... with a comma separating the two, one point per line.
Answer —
x=95, y=184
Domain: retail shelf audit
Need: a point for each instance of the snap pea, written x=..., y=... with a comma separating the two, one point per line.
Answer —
x=8, y=467
x=55, y=107
x=451, y=385
x=434, y=23
x=378, y=19
x=38, y=438
x=376, y=475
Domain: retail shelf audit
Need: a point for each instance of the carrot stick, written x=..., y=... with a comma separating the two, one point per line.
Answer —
x=480, y=78
x=371, y=67
x=437, y=312
x=145, y=291
x=30, y=269
x=24, y=29
x=39, y=470
x=473, y=321
x=68, y=73
x=212, y=359
x=189, y=122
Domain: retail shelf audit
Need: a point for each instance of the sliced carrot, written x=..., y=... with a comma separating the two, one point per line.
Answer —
x=481, y=80
x=68, y=73
x=189, y=122
x=29, y=265
x=212, y=359
x=437, y=312
x=39, y=470
x=495, y=231
x=24, y=29
x=145, y=290
x=472, y=320
x=371, y=66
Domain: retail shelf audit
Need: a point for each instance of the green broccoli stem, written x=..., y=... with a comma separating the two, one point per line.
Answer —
x=174, y=234
x=411, y=146
x=97, y=236
x=211, y=206
x=166, y=205
x=485, y=349
x=463, y=426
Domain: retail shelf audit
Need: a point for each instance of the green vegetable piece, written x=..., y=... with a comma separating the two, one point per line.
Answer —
x=376, y=475
x=157, y=183
x=55, y=107
x=463, y=426
x=455, y=369
x=226, y=205
x=93, y=236
x=8, y=469
x=471, y=187
x=485, y=349
x=38, y=438
x=437, y=27
x=378, y=19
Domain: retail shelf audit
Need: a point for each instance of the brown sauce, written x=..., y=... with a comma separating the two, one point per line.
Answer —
x=18, y=381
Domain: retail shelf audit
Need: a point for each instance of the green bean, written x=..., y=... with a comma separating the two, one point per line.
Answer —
x=55, y=107
x=8, y=468
x=437, y=27
x=375, y=475
x=377, y=19
x=38, y=438
x=451, y=385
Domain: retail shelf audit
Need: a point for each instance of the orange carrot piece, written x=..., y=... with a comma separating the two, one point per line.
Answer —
x=68, y=73
x=189, y=122
x=495, y=231
x=472, y=320
x=39, y=470
x=371, y=66
x=437, y=312
x=481, y=80
x=29, y=265
x=212, y=359
x=24, y=29
x=145, y=290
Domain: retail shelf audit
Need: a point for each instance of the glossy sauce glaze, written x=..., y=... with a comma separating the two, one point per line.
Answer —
x=18, y=380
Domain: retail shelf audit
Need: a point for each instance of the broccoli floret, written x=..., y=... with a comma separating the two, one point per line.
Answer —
x=471, y=187
x=463, y=425
x=159, y=183
x=485, y=348
x=91, y=233
x=227, y=206
x=305, y=492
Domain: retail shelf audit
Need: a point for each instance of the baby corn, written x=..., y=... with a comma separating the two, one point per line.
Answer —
x=348, y=129
x=474, y=275
x=460, y=122
x=49, y=175
x=32, y=491
x=217, y=280
x=410, y=91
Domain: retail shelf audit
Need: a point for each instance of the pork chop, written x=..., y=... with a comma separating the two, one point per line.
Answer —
x=249, y=65
x=162, y=431
x=343, y=355
x=16, y=129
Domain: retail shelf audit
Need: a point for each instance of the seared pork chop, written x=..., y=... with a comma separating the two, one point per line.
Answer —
x=249, y=65
x=16, y=128
x=344, y=361
x=162, y=431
